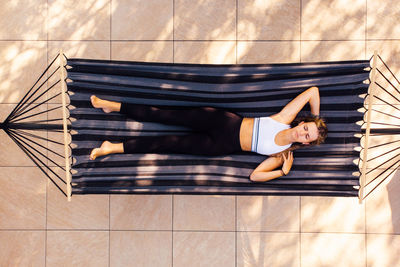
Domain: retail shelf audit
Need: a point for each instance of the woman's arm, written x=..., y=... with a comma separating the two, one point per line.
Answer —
x=266, y=170
x=289, y=112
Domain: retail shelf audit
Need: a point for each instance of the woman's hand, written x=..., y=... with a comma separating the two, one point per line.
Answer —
x=287, y=162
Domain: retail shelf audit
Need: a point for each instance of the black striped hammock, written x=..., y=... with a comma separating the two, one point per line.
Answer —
x=331, y=169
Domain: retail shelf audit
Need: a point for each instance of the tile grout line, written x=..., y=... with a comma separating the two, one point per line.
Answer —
x=365, y=203
x=236, y=34
x=173, y=31
x=109, y=230
x=110, y=28
x=172, y=232
x=365, y=230
x=47, y=182
x=236, y=256
x=300, y=231
x=365, y=30
x=207, y=40
x=301, y=4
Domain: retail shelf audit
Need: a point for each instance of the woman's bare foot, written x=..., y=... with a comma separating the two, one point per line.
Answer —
x=107, y=106
x=104, y=149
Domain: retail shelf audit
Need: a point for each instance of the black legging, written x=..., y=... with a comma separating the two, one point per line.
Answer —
x=216, y=130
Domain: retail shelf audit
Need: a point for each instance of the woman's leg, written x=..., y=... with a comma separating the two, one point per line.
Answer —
x=197, y=118
x=194, y=144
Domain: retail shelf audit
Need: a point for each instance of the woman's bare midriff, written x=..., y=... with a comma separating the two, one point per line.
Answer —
x=246, y=133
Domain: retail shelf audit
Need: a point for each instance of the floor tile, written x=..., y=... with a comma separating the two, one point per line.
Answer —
x=321, y=20
x=383, y=250
x=142, y=20
x=382, y=20
x=204, y=249
x=388, y=51
x=22, y=20
x=77, y=248
x=79, y=20
x=22, y=248
x=332, y=214
x=333, y=250
x=268, y=52
x=205, y=20
x=140, y=248
x=268, y=249
x=141, y=212
x=217, y=52
x=22, y=198
x=211, y=213
x=383, y=207
x=156, y=51
x=268, y=20
x=269, y=213
x=82, y=212
x=80, y=49
x=332, y=50
x=22, y=64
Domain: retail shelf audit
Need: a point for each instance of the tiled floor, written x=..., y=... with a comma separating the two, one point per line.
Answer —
x=38, y=227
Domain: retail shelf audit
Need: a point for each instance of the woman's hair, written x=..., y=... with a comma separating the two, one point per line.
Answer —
x=322, y=133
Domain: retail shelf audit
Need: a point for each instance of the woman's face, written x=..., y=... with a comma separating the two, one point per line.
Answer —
x=305, y=132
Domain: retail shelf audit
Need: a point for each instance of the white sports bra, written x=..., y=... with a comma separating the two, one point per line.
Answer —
x=264, y=131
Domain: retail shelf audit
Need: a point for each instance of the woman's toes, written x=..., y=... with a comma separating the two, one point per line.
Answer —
x=93, y=154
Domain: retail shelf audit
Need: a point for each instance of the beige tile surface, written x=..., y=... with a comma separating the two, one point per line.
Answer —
x=211, y=213
x=271, y=52
x=332, y=214
x=141, y=212
x=268, y=249
x=80, y=49
x=205, y=20
x=268, y=20
x=382, y=20
x=82, y=212
x=22, y=62
x=204, y=249
x=77, y=248
x=332, y=249
x=23, y=20
x=79, y=20
x=140, y=248
x=384, y=250
x=321, y=20
x=270, y=213
x=142, y=20
x=22, y=248
x=389, y=51
x=152, y=51
x=383, y=207
x=217, y=52
x=22, y=198
x=332, y=50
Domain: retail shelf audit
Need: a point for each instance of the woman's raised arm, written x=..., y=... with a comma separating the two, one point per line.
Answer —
x=289, y=112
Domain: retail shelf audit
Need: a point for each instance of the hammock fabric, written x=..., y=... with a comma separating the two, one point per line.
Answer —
x=249, y=90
